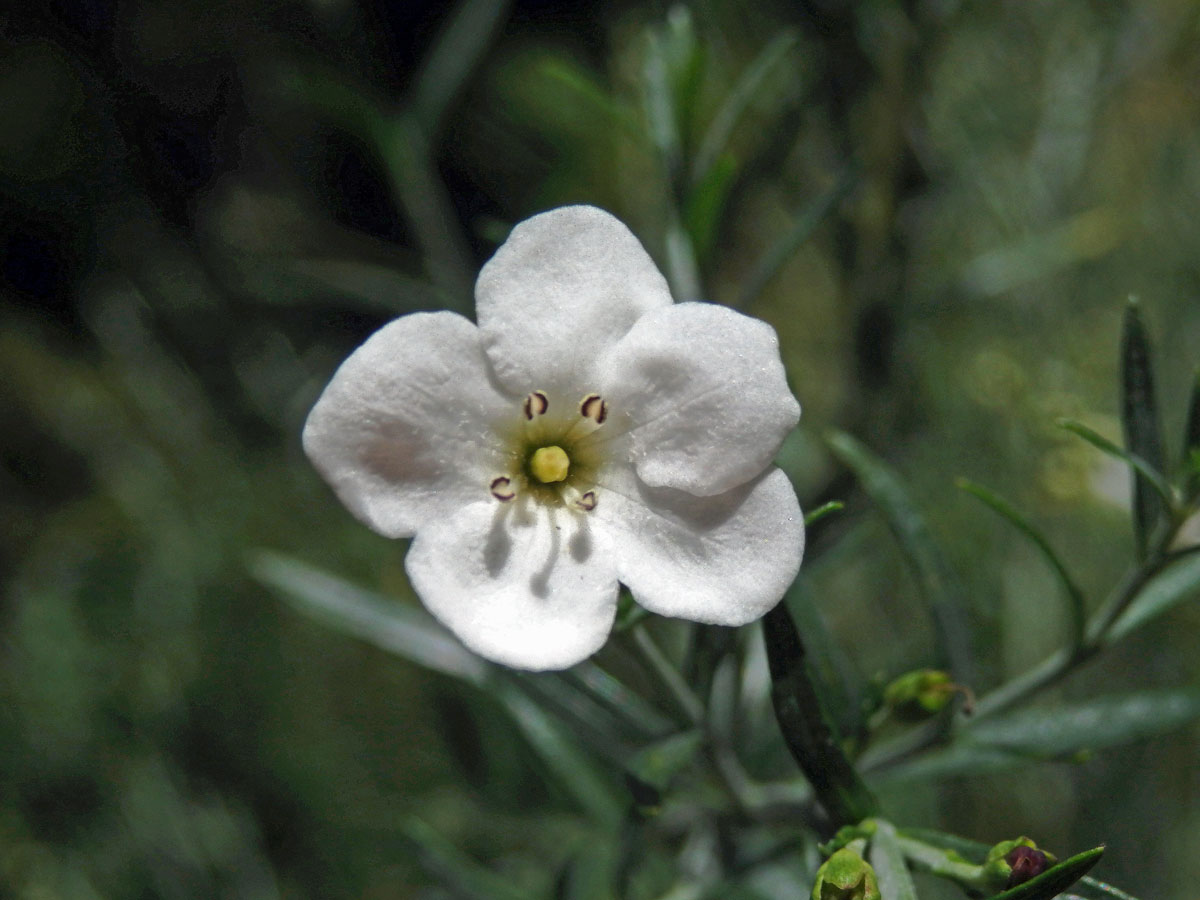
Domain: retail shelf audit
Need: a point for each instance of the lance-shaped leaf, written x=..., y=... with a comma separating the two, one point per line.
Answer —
x=805, y=729
x=406, y=631
x=705, y=205
x=457, y=51
x=599, y=728
x=748, y=87
x=1016, y=739
x=1054, y=880
x=1077, y=602
x=1139, y=415
x=1091, y=889
x=972, y=851
x=963, y=758
x=589, y=873
x=1089, y=725
x=1178, y=582
x=650, y=771
x=891, y=870
x=455, y=869
x=939, y=585
x=671, y=72
x=838, y=684
x=1149, y=473
x=803, y=225
x=618, y=698
x=562, y=756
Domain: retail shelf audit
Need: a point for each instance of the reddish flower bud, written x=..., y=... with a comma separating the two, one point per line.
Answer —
x=1026, y=863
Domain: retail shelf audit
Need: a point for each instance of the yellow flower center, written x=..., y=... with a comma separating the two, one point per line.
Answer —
x=553, y=454
x=549, y=464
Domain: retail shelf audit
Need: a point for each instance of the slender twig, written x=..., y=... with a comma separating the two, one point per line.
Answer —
x=1047, y=673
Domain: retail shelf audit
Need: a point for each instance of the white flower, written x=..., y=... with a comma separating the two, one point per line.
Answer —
x=588, y=431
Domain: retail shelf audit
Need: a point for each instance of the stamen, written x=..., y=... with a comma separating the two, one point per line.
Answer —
x=536, y=404
x=586, y=502
x=595, y=408
x=502, y=489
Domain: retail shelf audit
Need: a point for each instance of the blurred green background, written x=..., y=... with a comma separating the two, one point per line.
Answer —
x=204, y=206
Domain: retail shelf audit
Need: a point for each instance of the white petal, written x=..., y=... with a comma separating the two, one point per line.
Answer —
x=517, y=585
x=404, y=431
x=704, y=391
x=563, y=287
x=725, y=559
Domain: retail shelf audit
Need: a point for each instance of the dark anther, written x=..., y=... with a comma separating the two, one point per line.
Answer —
x=536, y=404
x=502, y=489
x=593, y=407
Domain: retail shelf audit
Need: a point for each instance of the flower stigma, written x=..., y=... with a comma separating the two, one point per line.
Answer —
x=549, y=464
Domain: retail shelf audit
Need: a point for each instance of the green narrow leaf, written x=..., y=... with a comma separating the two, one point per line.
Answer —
x=809, y=737
x=822, y=511
x=378, y=287
x=938, y=860
x=726, y=890
x=962, y=759
x=939, y=585
x=1075, y=599
x=403, y=145
x=1139, y=416
x=682, y=695
x=1089, y=725
x=660, y=104
x=1054, y=880
x=706, y=205
x=972, y=851
x=455, y=869
x=661, y=761
x=716, y=139
x=563, y=757
x=581, y=714
x=1103, y=444
x=1099, y=890
x=804, y=224
x=589, y=873
x=1177, y=583
x=425, y=202
x=895, y=883
x=406, y=631
x=838, y=684
x=618, y=698
x=455, y=53
x=1005, y=742
x=682, y=270
x=587, y=92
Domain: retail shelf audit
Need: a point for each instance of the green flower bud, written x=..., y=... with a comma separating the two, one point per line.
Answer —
x=846, y=876
x=920, y=694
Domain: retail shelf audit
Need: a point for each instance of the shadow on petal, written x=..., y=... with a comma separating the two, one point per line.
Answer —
x=498, y=548
x=540, y=582
x=693, y=519
x=581, y=544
